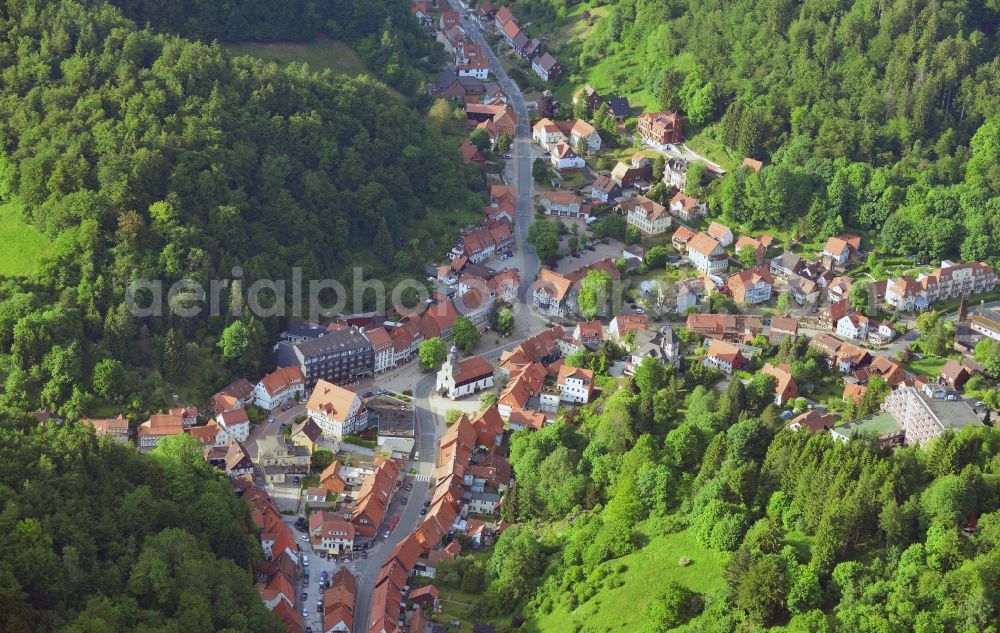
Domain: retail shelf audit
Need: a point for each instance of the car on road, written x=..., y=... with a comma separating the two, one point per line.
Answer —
x=980, y=404
x=386, y=534
x=369, y=394
x=507, y=156
x=364, y=554
x=640, y=311
x=423, y=511
x=403, y=501
x=304, y=537
x=297, y=480
x=305, y=612
x=288, y=405
x=305, y=560
x=304, y=596
x=409, y=486
x=270, y=418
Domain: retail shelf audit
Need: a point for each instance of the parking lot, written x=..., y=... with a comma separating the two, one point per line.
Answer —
x=612, y=249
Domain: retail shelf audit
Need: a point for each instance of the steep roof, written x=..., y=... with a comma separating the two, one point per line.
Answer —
x=554, y=284
x=703, y=244
x=332, y=400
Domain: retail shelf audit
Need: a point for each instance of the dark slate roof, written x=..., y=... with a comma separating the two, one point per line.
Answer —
x=619, y=106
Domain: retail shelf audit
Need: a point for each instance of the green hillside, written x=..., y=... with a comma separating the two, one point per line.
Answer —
x=626, y=594
x=21, y=245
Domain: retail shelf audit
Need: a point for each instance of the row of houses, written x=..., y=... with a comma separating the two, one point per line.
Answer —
x=530, y=49
x=469, y=469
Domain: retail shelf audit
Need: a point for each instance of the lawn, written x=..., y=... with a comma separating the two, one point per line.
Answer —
x=929, y=366
x=320, y=54
x=21, y=245
x=624, y=608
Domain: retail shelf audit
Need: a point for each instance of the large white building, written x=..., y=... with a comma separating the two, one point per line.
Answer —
x=575, y=385
x=458, y=378
x=338, y=411
x=923, y=416
x=278, y=387
x=707, y=255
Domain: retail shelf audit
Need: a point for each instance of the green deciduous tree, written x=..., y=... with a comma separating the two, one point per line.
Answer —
x=465, y=334
x=241, y=344
x=432, y=352
x=595, y=291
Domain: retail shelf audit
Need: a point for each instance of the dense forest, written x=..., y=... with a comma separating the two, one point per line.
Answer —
x=878, y=117
x=818, y=535
x=139, y=154
x=99, y=538
x=383, y=32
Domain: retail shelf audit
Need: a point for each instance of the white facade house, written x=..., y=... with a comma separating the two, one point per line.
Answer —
x=563, y=157
x=575, y=385
x=853, y=326
x=338, y=411
x=547, y=134
x=707, y=255
x=561, y=204
x=235, y=423
x=584, y=131
x=279, y=387
x=458, y=378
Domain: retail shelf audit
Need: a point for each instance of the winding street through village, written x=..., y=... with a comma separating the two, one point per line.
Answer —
x=430, y=425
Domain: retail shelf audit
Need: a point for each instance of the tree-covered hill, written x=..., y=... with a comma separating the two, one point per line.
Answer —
x=99, y=538
x=613, y=513
x=879, y=117
x=384, y=32
x=144, y=155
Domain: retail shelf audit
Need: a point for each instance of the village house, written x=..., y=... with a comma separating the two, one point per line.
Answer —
x=662, y=345
x=575, y=385
x=115, y=428
x=563, y=204
x=583, y=133
x=681, y=237
x=880, y=333
x=382, y=344
x=550, y=292
x=687, y=294
x=546, y=67
x=235, y=395
x=622, y=324
x=803, y=291
x=649, y=217
x=235, y=423
x=605, y=189
x=785, y=388
x=158, y=426
x=687, y=208
x=337, y=410
x=547, y=134
x=306, y=434
x=629, y=174
x=660, y=128
x=721, y=233
x=752, y=286
x=723, y=357
x=831, y=315
x=458, y=378
x=330, y=534
x=338, y=603
x=278, y=387
x=563, y=158
x=589, y=333
x=786, y=264
x=277, y=458
x=813, y=420
x=729, y=327
x=838, y=250
x=781, y=328
x=675, y=172
x=853, y=326
x=707, y=256
x=471, y=154
x=954, y=374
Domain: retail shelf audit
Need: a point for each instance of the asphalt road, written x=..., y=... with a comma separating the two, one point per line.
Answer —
x=430, y=426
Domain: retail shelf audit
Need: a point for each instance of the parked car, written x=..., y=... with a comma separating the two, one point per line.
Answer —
x=270, y=418
x=304, y=596
x=423, y=511
x=305, y=612
x=304, y=537
x=369, y=394
x=296, y=480
x=386, y=534
x=364, y=554
x=305, y=560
